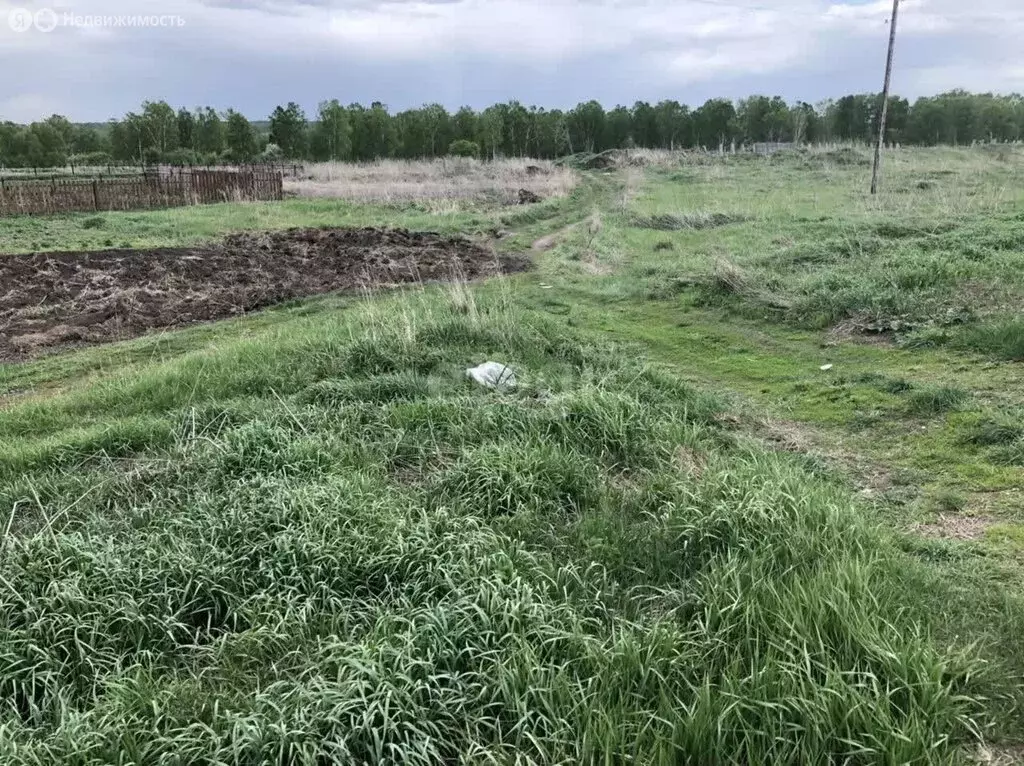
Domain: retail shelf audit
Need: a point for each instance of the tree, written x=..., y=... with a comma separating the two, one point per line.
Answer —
x=760, y=119
x=806, y=123
x=128, y=138
x=516, y=127
x=186, y=128
x=715, y=123
x=437, y=129
x=492, y=129
x=64, y=129
x=645, y=125
x=587, y=127
x=374, y=133
x=10, y=155
x=88, y=140
x=288, y=130
x=209, y=132
x=464, y=125
x=552, y=133
x=896, y=124
x=239, y=137
x=332, y=134
x=158, y=133
x=44, y=146
x=159, y=126
x=412, y=134
x=673, y=121
x=620, y=127
x=852, y=117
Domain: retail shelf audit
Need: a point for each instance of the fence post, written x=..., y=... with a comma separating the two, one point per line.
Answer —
x=96, y=194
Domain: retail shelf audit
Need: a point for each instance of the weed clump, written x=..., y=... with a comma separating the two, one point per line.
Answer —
x=728, y=281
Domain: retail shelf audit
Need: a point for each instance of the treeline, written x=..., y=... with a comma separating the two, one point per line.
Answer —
x=158, y=133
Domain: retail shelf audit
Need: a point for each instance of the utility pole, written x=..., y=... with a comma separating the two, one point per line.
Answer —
x=885, y=97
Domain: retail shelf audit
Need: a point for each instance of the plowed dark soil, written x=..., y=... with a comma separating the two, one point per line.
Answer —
x=49, y=301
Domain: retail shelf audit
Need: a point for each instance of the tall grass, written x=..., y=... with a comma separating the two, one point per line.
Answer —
x=448, y=178
x=324, y=544
x=1002, y=338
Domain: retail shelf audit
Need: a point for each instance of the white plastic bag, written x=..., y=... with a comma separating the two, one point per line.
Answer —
x=493, y=375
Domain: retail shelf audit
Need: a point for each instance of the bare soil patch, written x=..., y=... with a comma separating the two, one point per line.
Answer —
x=950, y=527
x=50, y=301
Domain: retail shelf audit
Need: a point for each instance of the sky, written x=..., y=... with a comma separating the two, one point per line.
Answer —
x=255, y=54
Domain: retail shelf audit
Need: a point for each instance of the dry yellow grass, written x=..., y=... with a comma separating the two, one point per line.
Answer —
x=450, y=178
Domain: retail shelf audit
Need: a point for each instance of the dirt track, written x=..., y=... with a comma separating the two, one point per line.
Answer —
x=49, y=301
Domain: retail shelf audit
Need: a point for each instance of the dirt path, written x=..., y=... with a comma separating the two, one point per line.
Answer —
x=550, y=241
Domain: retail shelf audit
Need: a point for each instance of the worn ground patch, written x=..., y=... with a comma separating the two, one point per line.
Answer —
x=956, y=527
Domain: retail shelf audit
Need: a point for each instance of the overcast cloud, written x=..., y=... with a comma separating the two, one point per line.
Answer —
x=255, y=54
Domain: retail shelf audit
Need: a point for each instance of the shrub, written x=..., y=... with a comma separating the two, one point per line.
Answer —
x=181, y=157
x=464, y=148
x=272, y=153
x=89, y=159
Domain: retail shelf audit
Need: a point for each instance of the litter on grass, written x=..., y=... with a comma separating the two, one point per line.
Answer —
x=493, y=375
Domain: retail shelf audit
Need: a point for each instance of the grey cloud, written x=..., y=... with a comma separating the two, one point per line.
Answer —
x=297, y=7
x=246, y=55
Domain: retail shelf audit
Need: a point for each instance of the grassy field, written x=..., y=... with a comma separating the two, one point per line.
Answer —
x=757, y=498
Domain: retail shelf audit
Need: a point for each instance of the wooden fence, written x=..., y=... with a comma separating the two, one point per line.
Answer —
x=197, y=187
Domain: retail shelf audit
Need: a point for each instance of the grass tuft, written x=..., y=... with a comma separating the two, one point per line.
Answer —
x=1003, y=339
x=990, y=432
x=935, y=400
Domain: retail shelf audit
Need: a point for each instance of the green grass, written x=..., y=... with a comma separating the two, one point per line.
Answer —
x=182, y=227
x=691, y=535
x=935, y=400
x=323, y=542
x=1004, y=339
